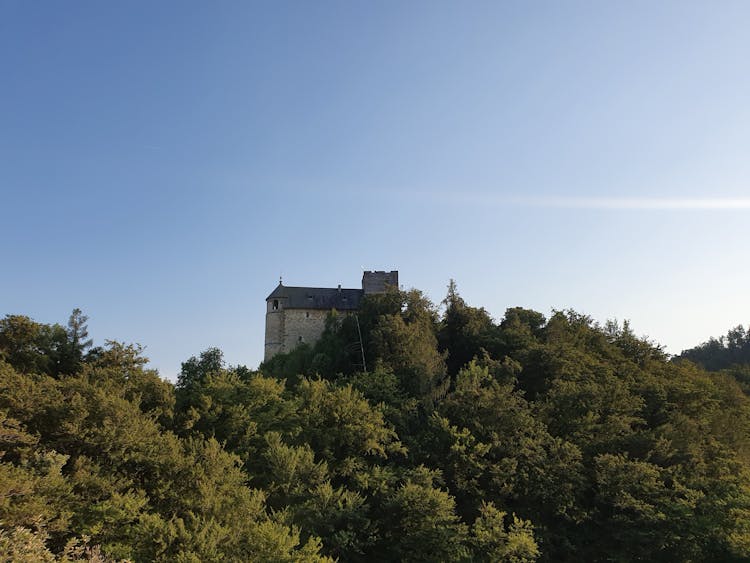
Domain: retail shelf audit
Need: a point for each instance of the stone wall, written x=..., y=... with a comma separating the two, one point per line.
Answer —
x=379, y=281
x=288, y=328
x=274, y=332
x=303, y=325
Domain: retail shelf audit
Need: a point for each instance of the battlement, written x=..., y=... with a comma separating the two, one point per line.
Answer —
x=378, y=281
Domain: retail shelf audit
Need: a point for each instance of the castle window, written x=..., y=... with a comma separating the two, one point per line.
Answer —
x=275, y=304
x=307, y=314
x=299, y=339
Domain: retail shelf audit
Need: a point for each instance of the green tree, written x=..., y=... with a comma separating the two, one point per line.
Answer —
x=342, y=427
x=77, y=342
x=401, y=335
x=423, y=525
x=729, y=350
x=494, y=449
x=195, y=370
x=495, y=540
x=31, y=347
x=464, y=331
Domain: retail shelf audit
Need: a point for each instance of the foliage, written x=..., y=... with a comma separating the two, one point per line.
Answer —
x=458, y=438
x=730, y=350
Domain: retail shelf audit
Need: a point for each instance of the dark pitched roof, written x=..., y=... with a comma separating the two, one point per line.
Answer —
x=317, y=297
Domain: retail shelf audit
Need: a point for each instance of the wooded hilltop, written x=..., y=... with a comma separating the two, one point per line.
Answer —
x=458, y=438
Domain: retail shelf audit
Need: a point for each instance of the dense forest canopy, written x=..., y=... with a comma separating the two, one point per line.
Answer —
x=464, y=439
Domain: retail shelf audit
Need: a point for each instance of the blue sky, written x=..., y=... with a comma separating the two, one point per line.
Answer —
x=162, y=163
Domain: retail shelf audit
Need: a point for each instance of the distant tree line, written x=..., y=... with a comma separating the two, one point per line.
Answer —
x=721, y=353
x=466, y=439
x=728, y=354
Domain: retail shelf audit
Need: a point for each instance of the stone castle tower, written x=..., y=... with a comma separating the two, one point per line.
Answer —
x=298, y=314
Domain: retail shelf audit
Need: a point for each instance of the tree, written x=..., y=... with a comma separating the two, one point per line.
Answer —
x=494, y=449
x=341, y=426
x=77, y=342
x=400, y=332
x=464, y=331
x=495, y=540
x=556, y=439
x=423, y=524
x=31, y=347
x=81, y=459
x=195, y=370
x=722, y=353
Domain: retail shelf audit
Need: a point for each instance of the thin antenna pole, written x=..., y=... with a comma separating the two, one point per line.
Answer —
x=361, y=344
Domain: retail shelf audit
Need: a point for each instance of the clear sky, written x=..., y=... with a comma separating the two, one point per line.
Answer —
x=162, y=163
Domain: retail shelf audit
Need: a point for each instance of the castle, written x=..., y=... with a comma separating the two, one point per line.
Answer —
x=298, y=314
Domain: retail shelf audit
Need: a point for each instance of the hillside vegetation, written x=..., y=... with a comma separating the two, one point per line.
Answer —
x=728, y=354
x=441, y=435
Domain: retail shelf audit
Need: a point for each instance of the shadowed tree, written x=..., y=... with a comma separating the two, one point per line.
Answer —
x=464, y=331
x=72, y=353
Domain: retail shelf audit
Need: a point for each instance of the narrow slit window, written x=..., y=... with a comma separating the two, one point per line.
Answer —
x=275, y=304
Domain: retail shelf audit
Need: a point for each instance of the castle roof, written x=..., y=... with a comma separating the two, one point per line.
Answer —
x=317, y=297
